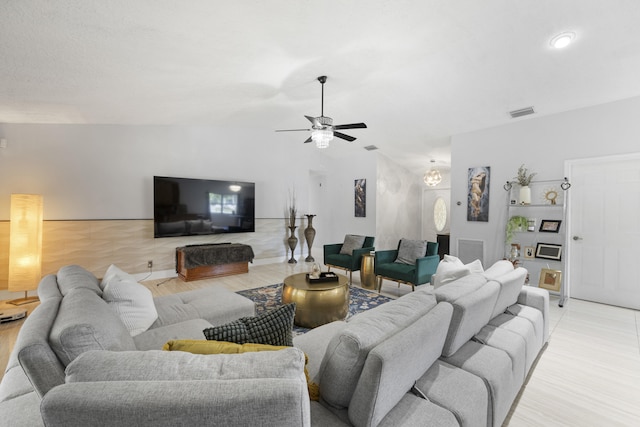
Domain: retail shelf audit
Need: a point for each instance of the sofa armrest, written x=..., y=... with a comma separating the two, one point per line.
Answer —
x=539, y=299
x=264, y=402
x=332, y=249
x=386, y=256
x=426, y=267
x=356, y=257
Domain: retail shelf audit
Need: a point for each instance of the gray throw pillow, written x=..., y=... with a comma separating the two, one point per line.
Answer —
x=410, y=250
x=351, y=242
x=273, y=327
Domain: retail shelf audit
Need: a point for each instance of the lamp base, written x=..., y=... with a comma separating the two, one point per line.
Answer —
x=25, y=300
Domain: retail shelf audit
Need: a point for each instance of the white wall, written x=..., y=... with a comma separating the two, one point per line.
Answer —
x=106, y=171
x=543, y=144
x=399, y=213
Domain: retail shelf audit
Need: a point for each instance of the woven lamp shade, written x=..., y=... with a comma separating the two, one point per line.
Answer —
x=25, y=242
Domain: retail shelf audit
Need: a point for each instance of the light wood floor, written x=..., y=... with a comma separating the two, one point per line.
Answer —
x=589, y=374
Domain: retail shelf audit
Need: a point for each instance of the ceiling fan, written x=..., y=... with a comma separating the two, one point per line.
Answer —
x=322, y=128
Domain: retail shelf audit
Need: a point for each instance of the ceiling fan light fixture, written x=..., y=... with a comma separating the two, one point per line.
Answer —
x=321, y=137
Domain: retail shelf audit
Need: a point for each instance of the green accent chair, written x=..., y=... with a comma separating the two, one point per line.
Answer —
x=417, y=274
x=350, y=263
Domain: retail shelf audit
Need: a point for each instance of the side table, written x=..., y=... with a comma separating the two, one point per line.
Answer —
x=367, y=274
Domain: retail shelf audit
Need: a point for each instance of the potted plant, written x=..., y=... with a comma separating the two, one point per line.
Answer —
x=515, y=223
x=523, y=179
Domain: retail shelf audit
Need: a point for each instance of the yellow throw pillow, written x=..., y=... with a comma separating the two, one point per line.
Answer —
x=223, y=347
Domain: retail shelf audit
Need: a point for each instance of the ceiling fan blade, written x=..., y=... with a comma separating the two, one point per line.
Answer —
x=291, y=130
x=308, y=140
x=343, y=136
x=351, y=126
x=313, y=120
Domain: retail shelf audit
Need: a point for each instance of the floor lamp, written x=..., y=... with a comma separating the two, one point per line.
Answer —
x=25, y=245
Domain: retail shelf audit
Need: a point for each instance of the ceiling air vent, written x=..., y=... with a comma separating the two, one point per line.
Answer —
x=370, y=147
x=522, y=112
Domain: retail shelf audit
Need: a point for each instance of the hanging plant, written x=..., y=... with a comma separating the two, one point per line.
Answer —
x=515, y=223
x=524, y=177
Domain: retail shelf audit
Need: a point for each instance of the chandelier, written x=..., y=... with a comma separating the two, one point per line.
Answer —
x=432, y=177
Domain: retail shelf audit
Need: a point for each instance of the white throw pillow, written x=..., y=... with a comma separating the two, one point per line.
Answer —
x=132, y=302
x=114, y=271
x=452, y=268
x=500, y=268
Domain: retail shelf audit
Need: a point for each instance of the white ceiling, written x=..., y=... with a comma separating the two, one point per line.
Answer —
x=416, y=71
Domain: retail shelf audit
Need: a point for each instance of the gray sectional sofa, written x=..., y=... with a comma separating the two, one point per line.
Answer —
x=453, y=356
x=74, y=327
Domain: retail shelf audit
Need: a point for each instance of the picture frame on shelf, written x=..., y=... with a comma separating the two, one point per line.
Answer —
x=529, y=252
x=550, y=279
x=549, y=251
x=550, y=225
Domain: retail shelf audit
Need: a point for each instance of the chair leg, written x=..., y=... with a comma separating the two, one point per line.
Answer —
x=350, y=277
x=379, y=280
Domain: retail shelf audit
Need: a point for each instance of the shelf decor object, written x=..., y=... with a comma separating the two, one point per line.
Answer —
x=523, y=179
x=309, y=236
x=549, y=251
x=25, y=245
x=292, y=240
x=550, y=226
x=550, y=279
x=516, y=223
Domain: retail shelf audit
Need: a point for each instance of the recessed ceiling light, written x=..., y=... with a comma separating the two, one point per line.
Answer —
x=562, y=40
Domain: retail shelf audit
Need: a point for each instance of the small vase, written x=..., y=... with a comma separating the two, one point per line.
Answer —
x=293, y=241
x=309, y=235
x=525, y=195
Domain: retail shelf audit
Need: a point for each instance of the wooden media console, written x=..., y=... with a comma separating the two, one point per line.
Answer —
x=197, y=262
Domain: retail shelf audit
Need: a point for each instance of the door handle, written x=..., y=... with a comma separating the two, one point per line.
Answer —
x=576, y=238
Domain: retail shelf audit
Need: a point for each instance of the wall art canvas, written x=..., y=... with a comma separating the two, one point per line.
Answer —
x=478, y=181
x=360, y=193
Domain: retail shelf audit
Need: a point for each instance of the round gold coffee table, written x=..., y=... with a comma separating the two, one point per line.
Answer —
x=316, y=303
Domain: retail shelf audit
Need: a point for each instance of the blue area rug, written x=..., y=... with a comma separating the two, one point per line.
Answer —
x=269, y=297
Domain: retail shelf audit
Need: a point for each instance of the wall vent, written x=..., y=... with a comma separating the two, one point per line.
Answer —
x=370, y=147
x=522, y=112
x=470, y=250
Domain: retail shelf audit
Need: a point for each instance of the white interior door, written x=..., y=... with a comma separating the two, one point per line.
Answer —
x=604, y=227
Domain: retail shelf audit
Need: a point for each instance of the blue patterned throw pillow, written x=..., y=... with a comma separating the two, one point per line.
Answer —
x=273, y=327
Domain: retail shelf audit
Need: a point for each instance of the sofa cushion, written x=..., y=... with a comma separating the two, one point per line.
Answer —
x=223, y=347
x=71, y=277
x=398, y=271
x=85, y=322
x=157, y=365
x=410, y=250
x=48, y=288
x=351, y=242
x=510, y=285
x=347, y=350
x=473, y=300
x=198, y=304
x=154, y=339
x=394, y=365
x=273, y=327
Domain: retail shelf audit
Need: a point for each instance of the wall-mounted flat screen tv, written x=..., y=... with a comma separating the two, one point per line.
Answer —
x=188, y=207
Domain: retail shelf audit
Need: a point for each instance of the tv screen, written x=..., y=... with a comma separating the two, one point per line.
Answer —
x=188, y=207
